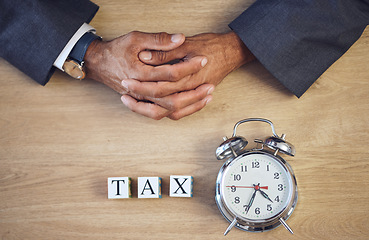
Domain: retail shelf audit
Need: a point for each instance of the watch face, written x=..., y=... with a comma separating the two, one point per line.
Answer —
x=74, y=69
x=257, y=187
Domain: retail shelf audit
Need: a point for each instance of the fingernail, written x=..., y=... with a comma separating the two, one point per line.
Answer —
x=176, y=38
x=145, y=55
x=208, y=100
x=210, y=90
x=124, y=100
x=204, y=61
x=124, y=84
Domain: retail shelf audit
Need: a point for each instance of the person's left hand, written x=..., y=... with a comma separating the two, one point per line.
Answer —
x=224, y=52
x=109, y=62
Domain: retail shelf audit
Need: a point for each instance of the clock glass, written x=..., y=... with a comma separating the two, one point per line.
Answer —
x=256, y=186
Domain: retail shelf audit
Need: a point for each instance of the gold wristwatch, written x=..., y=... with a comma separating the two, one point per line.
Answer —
x=73, y=66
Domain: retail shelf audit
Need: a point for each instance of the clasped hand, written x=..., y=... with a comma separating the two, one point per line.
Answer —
x=162, y=75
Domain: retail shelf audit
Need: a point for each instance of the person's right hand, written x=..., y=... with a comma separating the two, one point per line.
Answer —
x=224, y=53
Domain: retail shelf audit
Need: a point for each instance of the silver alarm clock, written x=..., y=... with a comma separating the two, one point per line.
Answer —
x=256, y=189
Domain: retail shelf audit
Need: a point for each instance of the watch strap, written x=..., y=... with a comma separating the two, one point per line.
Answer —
x=79, y=50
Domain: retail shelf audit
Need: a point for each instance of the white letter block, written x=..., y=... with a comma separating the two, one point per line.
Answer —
x=119, y=187
x=149, y=187
x=181, y=186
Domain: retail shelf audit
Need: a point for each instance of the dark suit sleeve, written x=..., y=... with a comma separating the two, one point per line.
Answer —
x=297, y=40
x=34, y=32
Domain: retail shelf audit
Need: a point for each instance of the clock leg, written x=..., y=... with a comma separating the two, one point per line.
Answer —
x=230, y=226
x=285, y=225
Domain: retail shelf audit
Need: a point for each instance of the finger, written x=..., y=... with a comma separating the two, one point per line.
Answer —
x=156, y=58
x=157, y=41
x=190, y=109
x=173, y=72
x=146, y=109
x=181, y=100
x=160, y=89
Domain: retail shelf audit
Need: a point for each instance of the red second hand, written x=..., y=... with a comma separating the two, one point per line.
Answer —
x=264, y=187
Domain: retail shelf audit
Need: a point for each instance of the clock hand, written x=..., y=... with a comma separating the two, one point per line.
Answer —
x=248, y=206
x=264, y=187
x=265, y=195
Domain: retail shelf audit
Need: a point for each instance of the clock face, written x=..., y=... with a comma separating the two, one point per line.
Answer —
x=256, y=187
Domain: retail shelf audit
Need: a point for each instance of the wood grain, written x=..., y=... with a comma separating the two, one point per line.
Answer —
x=60, y=143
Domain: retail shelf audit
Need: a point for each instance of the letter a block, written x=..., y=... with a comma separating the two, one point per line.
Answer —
x=181, y=186
x=149, y=187
x=119, y=187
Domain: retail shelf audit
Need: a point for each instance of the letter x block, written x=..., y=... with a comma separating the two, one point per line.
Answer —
x=181, y=186
x=149, y=187
x=119, y=187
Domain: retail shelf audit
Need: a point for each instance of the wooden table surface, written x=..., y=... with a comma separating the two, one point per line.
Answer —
x=60, y=143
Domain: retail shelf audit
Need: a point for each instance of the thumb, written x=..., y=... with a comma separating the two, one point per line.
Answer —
x=156, y=58
x=162, y=41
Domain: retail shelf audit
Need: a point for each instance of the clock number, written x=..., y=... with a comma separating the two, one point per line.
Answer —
x=269, y=207
x=280, y=187
x=276, y=175
x=243, y=168
x=237, y=177
x=276, y=199
x=267, y=168
x=255, y=165
x=233, y=188
x=257, y=210
x=237, y=200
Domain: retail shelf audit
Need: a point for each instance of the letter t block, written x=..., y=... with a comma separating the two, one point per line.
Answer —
x=119, y=187
x=181, y=186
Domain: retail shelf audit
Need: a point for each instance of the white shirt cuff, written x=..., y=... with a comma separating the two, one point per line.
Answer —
x=59, y=62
